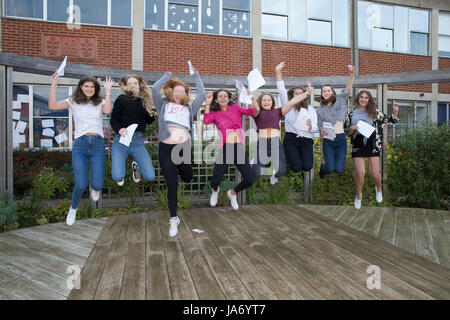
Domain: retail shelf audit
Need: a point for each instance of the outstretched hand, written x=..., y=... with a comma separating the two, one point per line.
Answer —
x=54, y=77
x=351, y=68
x=108, y=84
x=209, y=98
x=280, y=66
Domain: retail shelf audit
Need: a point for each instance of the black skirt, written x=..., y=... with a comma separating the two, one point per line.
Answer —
x=361, y=150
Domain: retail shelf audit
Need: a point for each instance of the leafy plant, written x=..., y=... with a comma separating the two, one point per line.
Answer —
x=47, y=183
x=8, y=215
x=184, y=199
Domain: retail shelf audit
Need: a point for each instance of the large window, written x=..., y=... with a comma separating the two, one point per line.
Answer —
x=313, y=21
x=444, y=34
x=98, y=12
x=227, y=17
x=411, y=114
x=443, y=113
x=393, y=28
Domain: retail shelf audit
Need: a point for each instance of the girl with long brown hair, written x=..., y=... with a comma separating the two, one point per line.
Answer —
x=362, y=147
x=132, y=107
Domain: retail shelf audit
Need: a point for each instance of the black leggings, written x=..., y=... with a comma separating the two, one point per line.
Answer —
x=299, y=152
x=170, y=166
x=232, y=153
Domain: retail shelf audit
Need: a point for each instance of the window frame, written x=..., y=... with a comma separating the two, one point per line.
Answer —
x=45, y=16
x=443, y=35
x=199, y=19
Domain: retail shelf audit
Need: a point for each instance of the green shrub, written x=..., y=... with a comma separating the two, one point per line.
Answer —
x=223, y=189
x=184, y=198
x=262, y=192
x=418, y=167
x=47, y=183
x=8, y=215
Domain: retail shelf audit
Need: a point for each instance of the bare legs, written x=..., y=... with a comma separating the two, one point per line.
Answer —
x=360, y=172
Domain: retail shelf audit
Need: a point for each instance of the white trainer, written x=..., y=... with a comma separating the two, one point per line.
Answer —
x=121, y=182
x=95, y=195
x=358, y=203
x=174, y=222
x=379, y=195
x=136, y=174
x=214, y=197
x=70, y=220
x=233, y=200
x=273, y=179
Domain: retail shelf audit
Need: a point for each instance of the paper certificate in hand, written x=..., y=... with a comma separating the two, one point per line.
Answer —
x=301, y=122
x=178, y=114
x=365, y=129
x=328, y=127
x=130, y=132
x=62, y=67
x=255, y=80
x=243, y=96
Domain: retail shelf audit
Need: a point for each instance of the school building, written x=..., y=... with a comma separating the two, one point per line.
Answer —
x=225, y=38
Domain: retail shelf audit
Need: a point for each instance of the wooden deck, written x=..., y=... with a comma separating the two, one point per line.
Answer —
x=258, y=252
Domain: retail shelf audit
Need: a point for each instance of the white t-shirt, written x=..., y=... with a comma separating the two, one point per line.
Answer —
x=291, y=118
x=177, y=114
x=87, y=117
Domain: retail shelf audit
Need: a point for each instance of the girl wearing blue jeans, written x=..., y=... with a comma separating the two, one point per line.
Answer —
x=334, y=111
x=88, y=151
x=132, y=107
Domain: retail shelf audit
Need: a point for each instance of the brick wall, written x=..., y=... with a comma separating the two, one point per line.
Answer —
x=375, y=62
x=26, y=38
x=303, y=60
x=212, y=55
x=444, y=63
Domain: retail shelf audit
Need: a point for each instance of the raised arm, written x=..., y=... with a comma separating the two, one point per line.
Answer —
x=297, y=99
x=393, y=118
x=201, y=93
x=351, y=80
x=52, y=103
x=156, y=90
x=280, y=84
x=208, y=117
x=107, y=85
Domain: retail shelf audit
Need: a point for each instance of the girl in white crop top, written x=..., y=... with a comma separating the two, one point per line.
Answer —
x=89, y=147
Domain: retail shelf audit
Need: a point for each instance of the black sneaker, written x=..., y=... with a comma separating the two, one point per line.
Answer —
x=321, y=172
x=136, y=174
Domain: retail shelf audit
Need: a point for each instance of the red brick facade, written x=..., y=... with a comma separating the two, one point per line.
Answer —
x=25, y=37
x=212, y=55
x=444, y=63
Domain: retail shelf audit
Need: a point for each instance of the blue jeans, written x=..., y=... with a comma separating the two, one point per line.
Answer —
x=264, y=150
x=335, y=153
x=88, y=152
x=139, y=154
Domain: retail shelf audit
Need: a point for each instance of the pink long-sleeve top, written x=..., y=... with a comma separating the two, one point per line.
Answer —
x=229, y=121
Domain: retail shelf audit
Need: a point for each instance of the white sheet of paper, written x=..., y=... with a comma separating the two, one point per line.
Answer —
x=23, y=98
x=61, y=138
x=48, y=123
x=17, y=105
x=46, y=143
x=48, y=132
x=239, y=85
x=16, y=115
x=62, y=67
x=127, y=140
x=191, y=68
x=17, y=139
x=328, y=127
x=198, y=231
x=245, y=98
x=302, y=118
x=365, y=129
x=21, y=126
x=255, y=80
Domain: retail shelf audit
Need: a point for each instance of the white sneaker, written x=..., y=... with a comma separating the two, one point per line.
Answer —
x=121, y=182
x=358, y=203
x=233, y=200
x=273, y=179
x=174, y=222
x=70, y=220
x=136, y=174
x=214, y=198
x=379, y=195
x=95, y=195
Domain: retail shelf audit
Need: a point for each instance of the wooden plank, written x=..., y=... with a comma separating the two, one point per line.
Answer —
x=181, y=283
x=303, y=232
x=336, y=212
x=446, y=217
x=298, y=283
x=133, y=284
x=25, y=289
x=423, y=274
x=7, y=296
x=111, y=281
x=325, y=277
x=405, y=230
x=422, y=236
x=349, y=215
x=440, y=235
x=157, y=284
x=218, y=231
x=83, y=241
x=93, y=269
x=388, y=228
x=374, y=220
x=360, y=219
x=206, y=284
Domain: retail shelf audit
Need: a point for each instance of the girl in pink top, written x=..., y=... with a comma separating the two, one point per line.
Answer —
x=227, y=117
